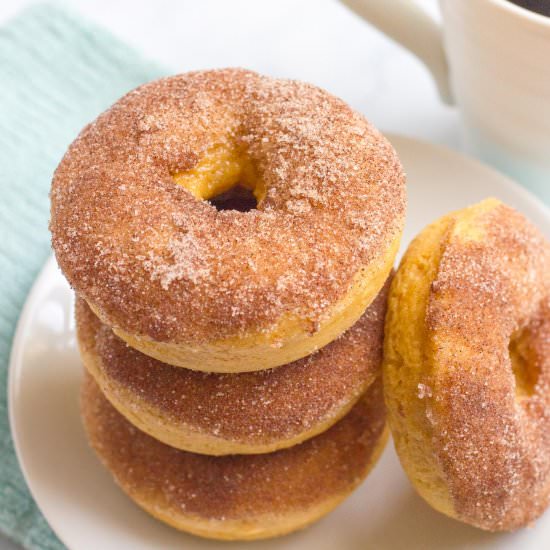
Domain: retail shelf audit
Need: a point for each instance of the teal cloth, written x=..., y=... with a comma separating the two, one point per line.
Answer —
x=57, y=72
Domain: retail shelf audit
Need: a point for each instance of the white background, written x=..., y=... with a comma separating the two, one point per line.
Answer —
x=319, y=41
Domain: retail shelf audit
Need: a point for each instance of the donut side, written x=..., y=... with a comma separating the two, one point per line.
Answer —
x=406, y=365
x=291, y=338
x=237, y=497
x=239, y=413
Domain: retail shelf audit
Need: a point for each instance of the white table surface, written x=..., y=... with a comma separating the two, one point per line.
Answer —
x=319, y=41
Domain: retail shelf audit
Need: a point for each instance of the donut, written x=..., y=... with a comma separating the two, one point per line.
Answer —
x=467, y=366
x=237, y=496
x=137, y=233
x=251, y=412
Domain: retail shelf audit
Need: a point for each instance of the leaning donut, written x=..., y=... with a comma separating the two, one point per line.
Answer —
x=467, y=366
x=224, y=290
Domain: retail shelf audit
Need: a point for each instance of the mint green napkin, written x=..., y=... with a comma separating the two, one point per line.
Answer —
x=57, y=72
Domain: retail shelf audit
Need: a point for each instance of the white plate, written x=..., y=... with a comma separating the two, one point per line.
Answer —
x=87, y=510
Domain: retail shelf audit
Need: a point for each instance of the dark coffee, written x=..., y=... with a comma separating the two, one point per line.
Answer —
x=538, y=6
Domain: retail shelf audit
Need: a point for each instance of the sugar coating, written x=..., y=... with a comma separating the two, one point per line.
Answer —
x=158, y=262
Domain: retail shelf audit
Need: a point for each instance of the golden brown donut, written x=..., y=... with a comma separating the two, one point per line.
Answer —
x=467, y=366
x=239, y=496
x=224, y=290
x=256, y=412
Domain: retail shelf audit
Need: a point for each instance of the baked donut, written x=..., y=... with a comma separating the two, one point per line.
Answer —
x=239, y=496
x=255, y=412
x=467, y=366
x=136, y=234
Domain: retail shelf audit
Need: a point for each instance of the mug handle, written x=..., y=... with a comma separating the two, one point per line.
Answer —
x=414, y=29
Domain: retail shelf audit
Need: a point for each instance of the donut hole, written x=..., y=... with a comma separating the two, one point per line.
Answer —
x=226, y=177
x=237, y=198
x=524, y=364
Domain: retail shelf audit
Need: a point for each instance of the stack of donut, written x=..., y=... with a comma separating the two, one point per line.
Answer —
x=230, y=238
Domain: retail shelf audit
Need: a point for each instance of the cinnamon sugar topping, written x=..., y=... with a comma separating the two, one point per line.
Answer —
x=160, y=263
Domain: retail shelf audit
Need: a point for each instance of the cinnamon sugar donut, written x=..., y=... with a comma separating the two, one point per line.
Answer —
x=223, y=290
x=256, y=412
x=239, y=496
x=467, y=366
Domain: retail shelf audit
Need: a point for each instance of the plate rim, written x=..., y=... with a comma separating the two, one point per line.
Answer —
x=15, y=358
x=17, y=344
x=507, y=180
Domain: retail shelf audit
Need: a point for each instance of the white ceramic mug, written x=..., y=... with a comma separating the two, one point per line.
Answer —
x=491, y=58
